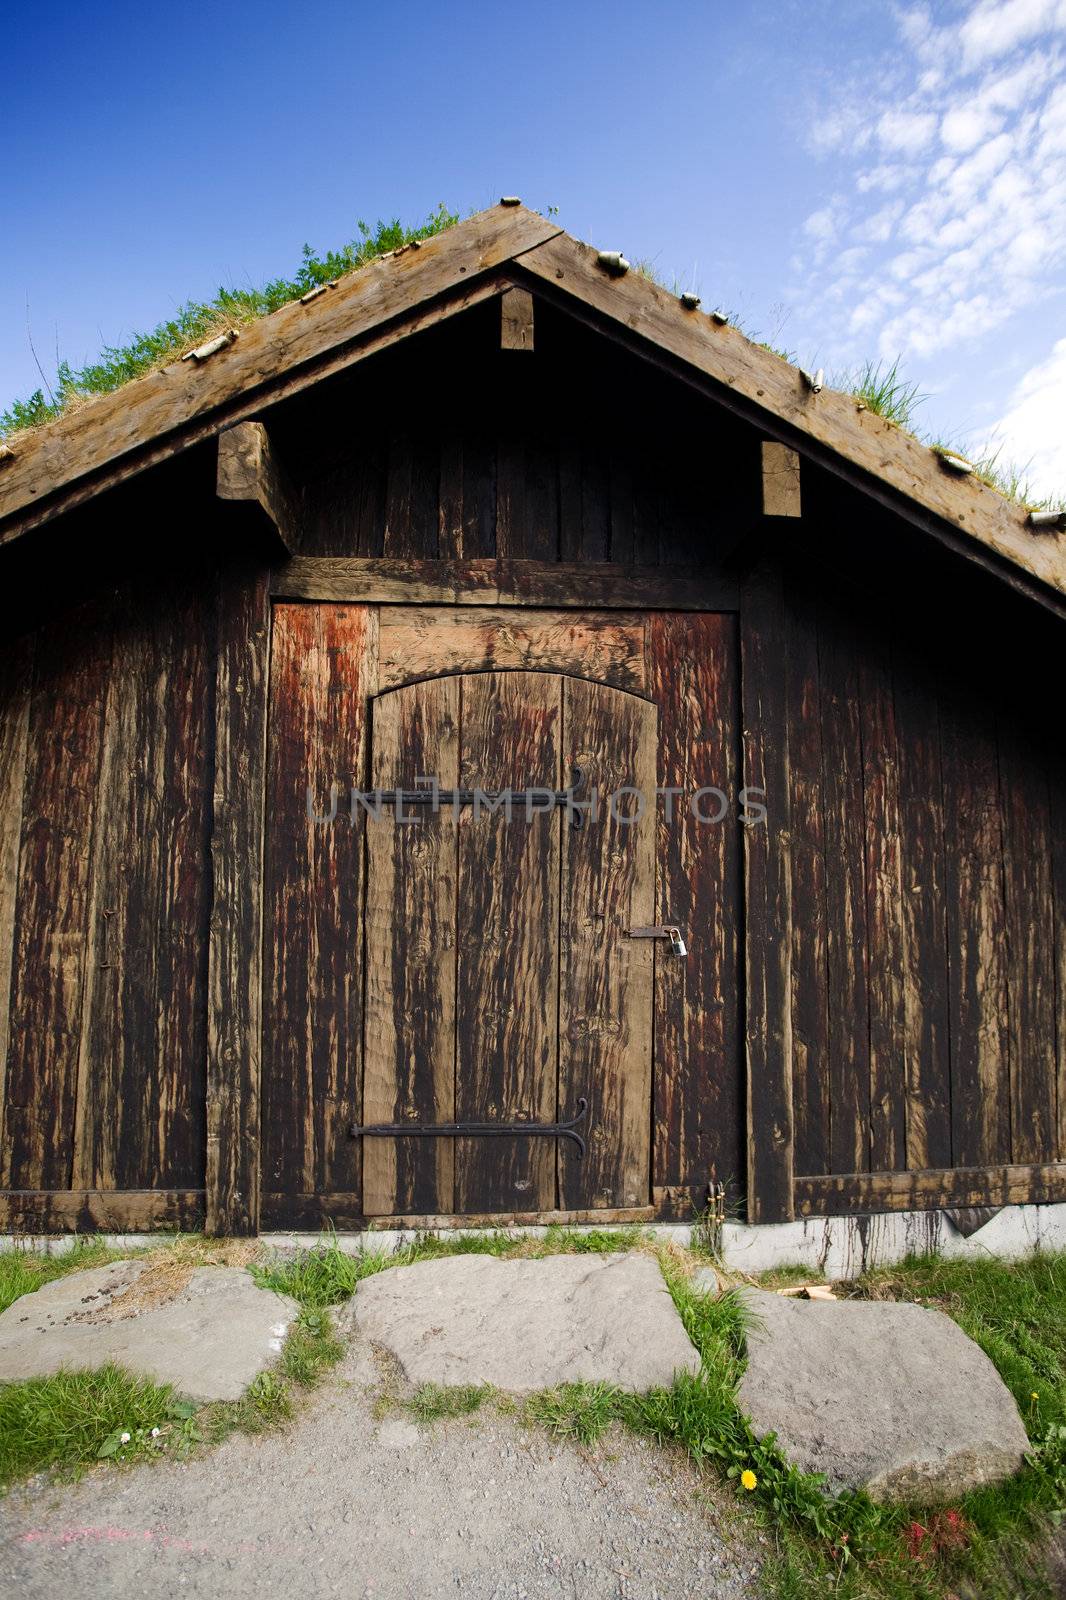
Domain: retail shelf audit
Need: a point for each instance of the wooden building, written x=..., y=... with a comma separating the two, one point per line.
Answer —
x=495, y=511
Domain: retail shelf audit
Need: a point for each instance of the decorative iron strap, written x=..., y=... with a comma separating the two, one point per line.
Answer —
x=531, y=799
x=477, y=1130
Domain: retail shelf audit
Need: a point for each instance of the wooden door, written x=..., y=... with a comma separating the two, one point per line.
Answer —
x=501, y=982
x=483, y=969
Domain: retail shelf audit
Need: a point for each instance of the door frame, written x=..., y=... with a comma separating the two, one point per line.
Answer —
x=235, y=984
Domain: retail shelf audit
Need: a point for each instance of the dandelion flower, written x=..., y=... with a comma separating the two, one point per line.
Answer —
x=1034, y=1395
x=123, y=1438
x=748, y=1478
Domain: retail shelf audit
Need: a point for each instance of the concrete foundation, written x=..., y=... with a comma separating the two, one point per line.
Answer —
x=832, y=1247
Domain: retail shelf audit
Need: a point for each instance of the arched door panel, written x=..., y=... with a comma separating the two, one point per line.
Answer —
x=501, y=983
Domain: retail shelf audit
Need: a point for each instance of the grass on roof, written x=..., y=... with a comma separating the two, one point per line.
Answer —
x=877, y=386
x=197, y=320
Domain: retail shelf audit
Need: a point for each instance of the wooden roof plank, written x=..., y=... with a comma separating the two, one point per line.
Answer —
x=828, y=418
x=93, y=446
x=245, y=407
x=90, y=438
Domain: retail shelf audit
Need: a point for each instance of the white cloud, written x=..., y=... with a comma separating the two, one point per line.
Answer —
x=820, y=224
x=967, y=125
x=878, y=228
x=951, y=179
x=885, y=177
x=997, y=26
x=1031, y=430
x=906, y=131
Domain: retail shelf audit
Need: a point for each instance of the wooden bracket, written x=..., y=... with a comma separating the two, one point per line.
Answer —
x=249, y=470
x=516, y=319
x=780, y=480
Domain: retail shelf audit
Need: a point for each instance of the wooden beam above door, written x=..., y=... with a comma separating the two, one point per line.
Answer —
x=603, y=585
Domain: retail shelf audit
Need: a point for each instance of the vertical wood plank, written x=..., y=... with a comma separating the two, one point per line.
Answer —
x=584, y=502
x=845, y=884
x=53, y=942
x=1029, y=914
x=595, y=505
x=570, y=507
x=179, y=909
x=622, y=539
x=409, y=1072
x=369, y=499
x=344, y=499
x=698, y=1075
x=605, y=984
x=980, y=1046
x=15, y=683
x=647, y=516
x=323, y=673
x=508, y=919
x=467, y=496
x=451, y=531
x=885, y=929
x=767, y=898
x=140, y=1104
x=540, y=527
x=412, y=497
x=809, y=959
x=927, y=1063
x=511, y=543
x=1057, y=795
x=235, y=957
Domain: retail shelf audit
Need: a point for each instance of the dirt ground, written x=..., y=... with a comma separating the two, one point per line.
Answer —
x=348, y=1502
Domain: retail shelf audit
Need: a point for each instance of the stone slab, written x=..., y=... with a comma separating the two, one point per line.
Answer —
x=705, y=1280
x=879, y=1395
x=524, y=1325
x=209, y=1339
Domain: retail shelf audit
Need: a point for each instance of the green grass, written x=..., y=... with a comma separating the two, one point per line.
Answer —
x=63, y=1421
x=1011, y=479
x=880, y=387
x=700, y=1415
x=22, y=1271
x=326, y=1275
x=989, y=1544
x=986, y=1546
x=877, y=386
x=69, y=1420
x=196, y=320
x=433, y=1402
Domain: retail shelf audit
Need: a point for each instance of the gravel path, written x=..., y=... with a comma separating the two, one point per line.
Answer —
x=344, y=1503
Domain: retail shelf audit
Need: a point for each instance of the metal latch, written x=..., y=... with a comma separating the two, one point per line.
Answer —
x=670, y=931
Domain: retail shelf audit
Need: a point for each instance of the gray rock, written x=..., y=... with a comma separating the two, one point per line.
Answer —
x=707, y=1281
x=209, y=1340
x=883, y=1396
x=525, y=1325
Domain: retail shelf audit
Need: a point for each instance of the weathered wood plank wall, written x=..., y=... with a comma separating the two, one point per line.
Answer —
x=926, y=907
x=905, y=988
x=571, y=455
x=104, y=894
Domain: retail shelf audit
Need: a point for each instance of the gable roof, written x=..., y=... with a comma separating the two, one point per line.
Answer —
x=92, y=446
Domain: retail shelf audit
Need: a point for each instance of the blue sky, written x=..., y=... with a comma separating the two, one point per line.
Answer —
x=855, y=179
